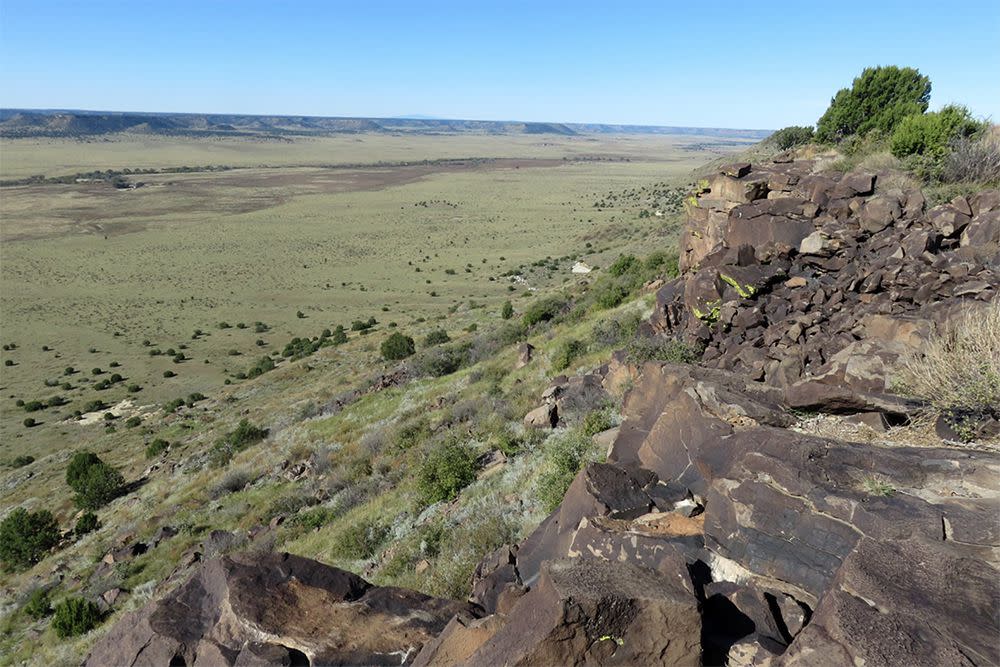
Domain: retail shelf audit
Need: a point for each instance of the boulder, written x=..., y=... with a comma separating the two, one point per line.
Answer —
x=276, y=609
x=544, y=416
x=594, y=612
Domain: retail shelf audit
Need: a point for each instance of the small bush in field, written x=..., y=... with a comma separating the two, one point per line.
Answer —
x=397, y=347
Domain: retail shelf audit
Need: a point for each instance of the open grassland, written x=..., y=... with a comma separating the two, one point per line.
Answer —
x=21, y=158
x=94, y=276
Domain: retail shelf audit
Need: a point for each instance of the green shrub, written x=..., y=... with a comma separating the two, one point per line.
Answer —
x=792, y=136
x=437, y=337
x=616, y=330
x=96, y=483
x=448, y=468
x=30, y=422
x=563, y=460
x=931, y=134
x=22, y=460
x=25, y=537
x=38, y=605
x=597, y=421
x=157, y=447
x=624, y=264
x=75, y=616
x=245, y=435
x=507, y=311
x=397, y=346
x=610, y=294
x=360, y=540
x=314, y=518
x=566, y=353
x=441, y=361
x=544, y=310
x=263, y=365
x=86, y=523
x=411, y=433
x=339, y=336
x=133, y=421
x=878, y=100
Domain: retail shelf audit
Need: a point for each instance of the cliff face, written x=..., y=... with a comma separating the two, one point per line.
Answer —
x=718, y=531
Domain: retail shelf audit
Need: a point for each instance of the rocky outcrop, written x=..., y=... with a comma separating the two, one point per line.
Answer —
x=276, y=609
x=792, y=277
x=802, y=290
x=800, y=550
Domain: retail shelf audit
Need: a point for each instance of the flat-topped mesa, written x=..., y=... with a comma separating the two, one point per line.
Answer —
x=788, y=274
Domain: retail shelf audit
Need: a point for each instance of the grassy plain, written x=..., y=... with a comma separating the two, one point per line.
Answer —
x=88, y=267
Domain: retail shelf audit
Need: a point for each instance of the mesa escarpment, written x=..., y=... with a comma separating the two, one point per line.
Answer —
x=717, y=532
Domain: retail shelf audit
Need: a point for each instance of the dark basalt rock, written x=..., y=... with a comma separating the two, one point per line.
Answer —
x=276, y=609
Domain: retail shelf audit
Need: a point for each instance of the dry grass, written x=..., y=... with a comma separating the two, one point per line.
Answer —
x=960, y=368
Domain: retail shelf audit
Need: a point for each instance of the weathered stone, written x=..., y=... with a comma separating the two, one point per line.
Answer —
x=524, y=354
x=307, y=609
x=544, y=416
x=596, y=612
x=736, y=170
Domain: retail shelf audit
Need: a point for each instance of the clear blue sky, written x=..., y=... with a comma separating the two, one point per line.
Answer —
x=710, y=64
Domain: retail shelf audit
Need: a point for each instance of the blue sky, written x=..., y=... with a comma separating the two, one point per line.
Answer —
x=709, y=64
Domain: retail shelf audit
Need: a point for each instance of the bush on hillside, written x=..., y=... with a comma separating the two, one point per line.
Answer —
x=96, y=483
x=931, y=134
x=263, y=365
x=792, y=136
x=38, y=605
x=86, y=523
x=243, y=436
x=878, y=100
x=566, y=353
x=397, y=347
x=507, y=311
x=25, y=537
x=563, y=460
x=157, y=447
x=436, y=337
x=441, y=361
x=959, y=370
x=75, y=616
x=447, y=469
x=360, y=540
x=544, y=310
x=973, y=160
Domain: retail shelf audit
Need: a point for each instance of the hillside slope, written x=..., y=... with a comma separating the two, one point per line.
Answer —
x=774, y=501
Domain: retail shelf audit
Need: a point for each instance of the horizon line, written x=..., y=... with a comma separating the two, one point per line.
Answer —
x=403, y=117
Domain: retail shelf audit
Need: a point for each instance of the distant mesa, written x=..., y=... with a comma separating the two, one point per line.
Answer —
x=76, y=123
